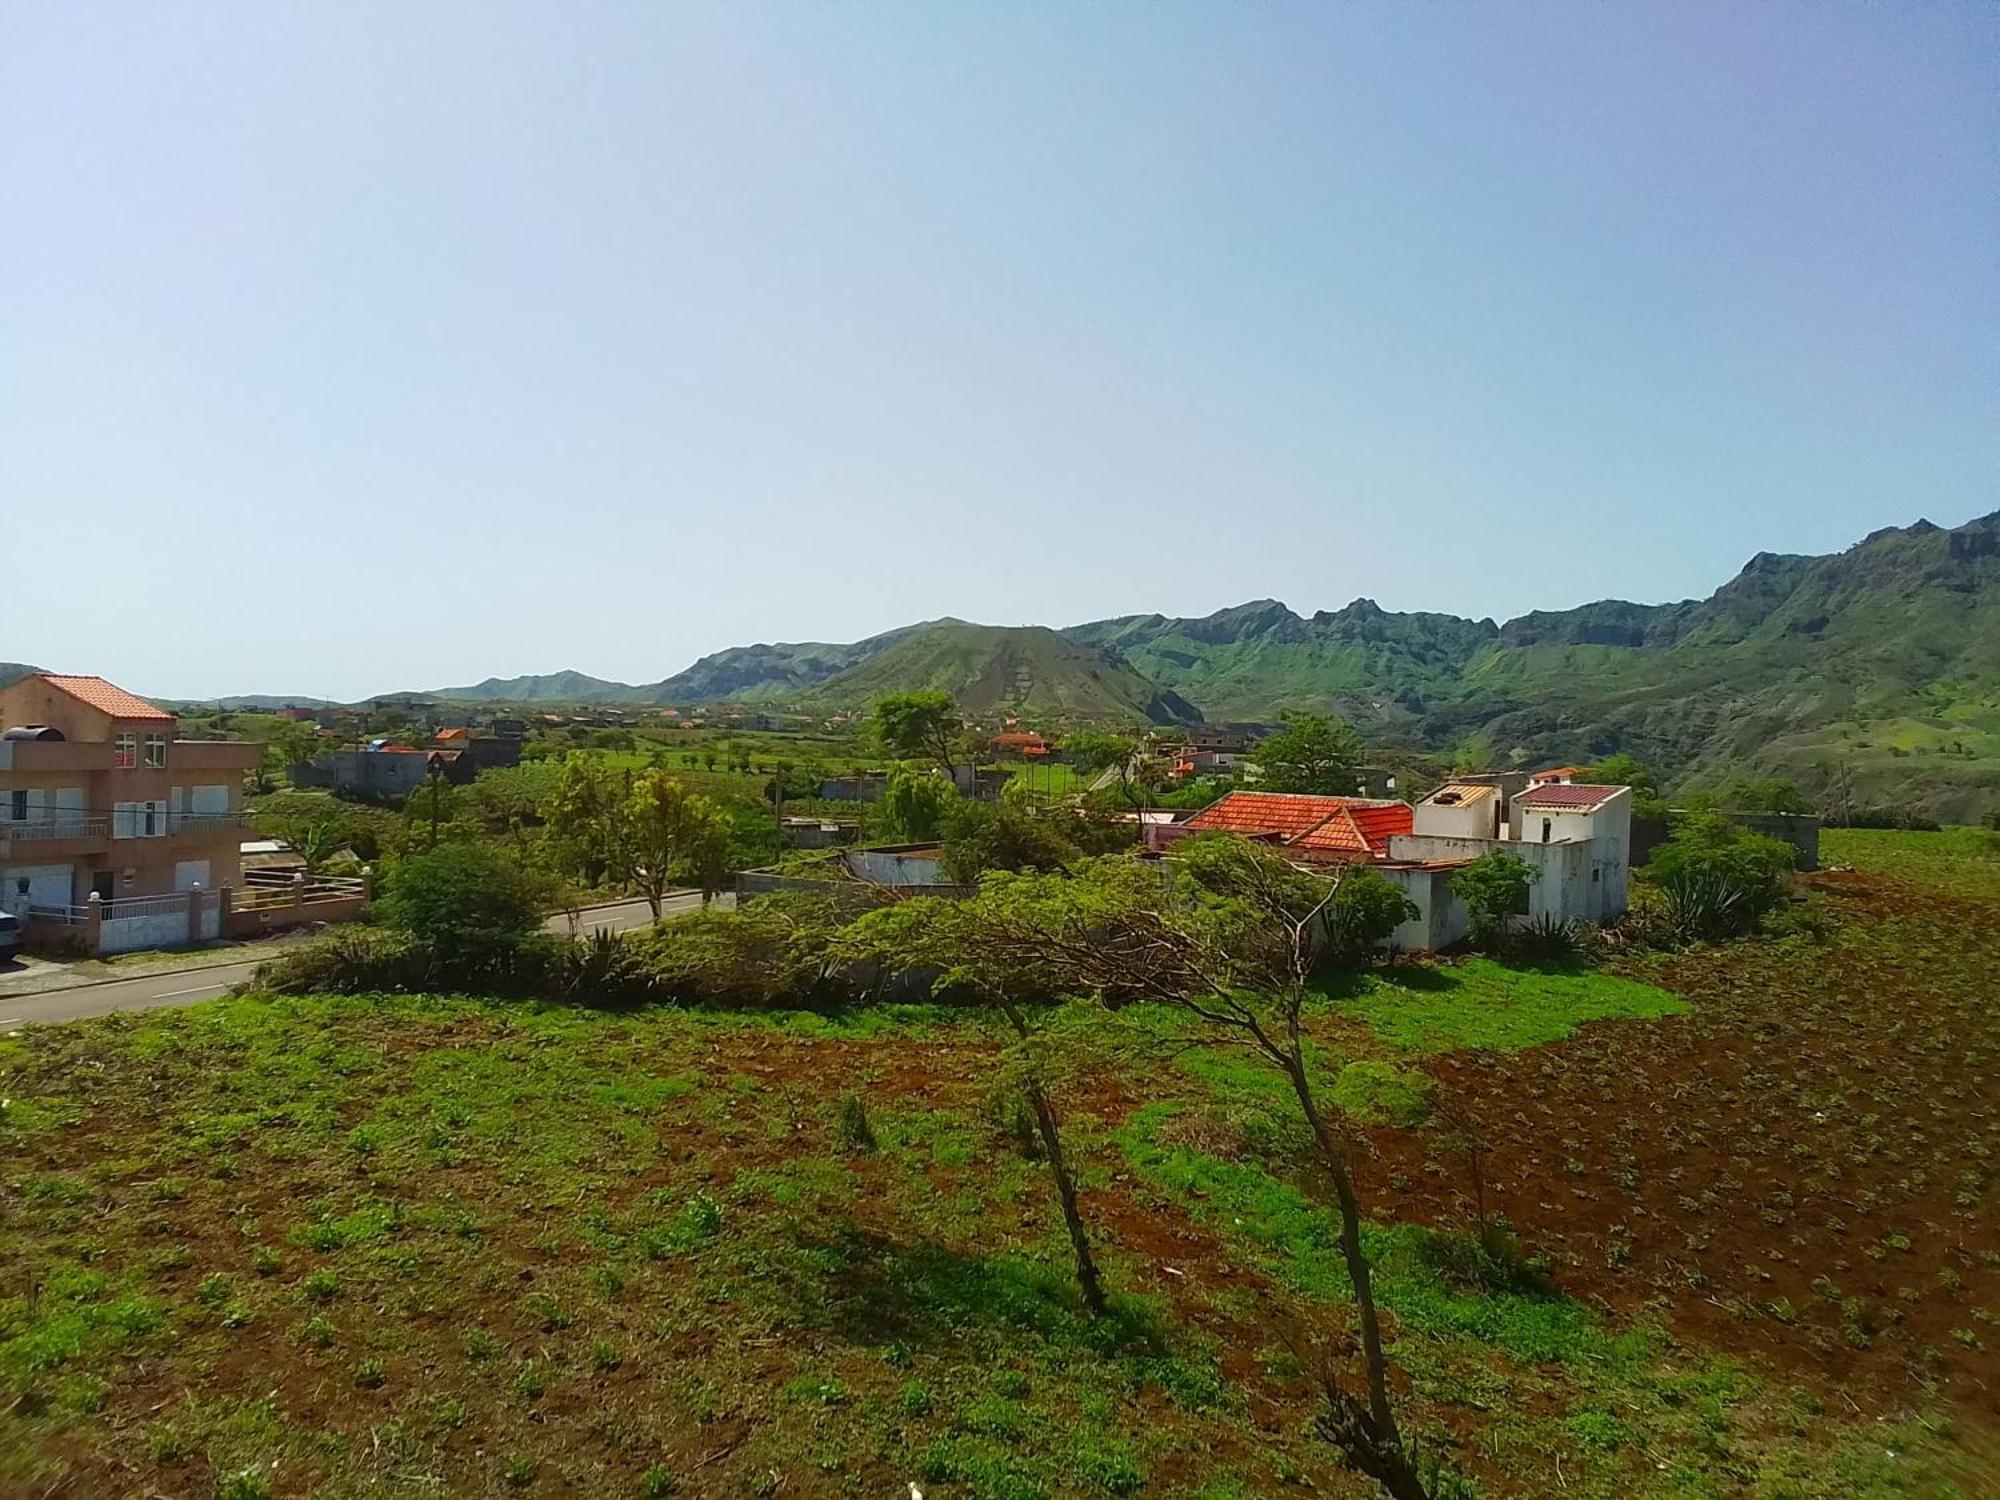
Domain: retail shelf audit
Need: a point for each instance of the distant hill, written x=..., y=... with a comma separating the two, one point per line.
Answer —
x=13, y=671
x=1256, y=660
x=770, y=673
x=1029, y=669
x=551, y=687
x=1876, y=668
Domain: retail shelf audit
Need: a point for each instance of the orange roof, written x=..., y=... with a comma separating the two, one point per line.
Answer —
x=1017, y=738
x=1354, y=826
x=105, y=697
x=454, y=734
x=1554, y=771
x=1362, y=832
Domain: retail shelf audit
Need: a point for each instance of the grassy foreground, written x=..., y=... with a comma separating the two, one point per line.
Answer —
x=432, y=1245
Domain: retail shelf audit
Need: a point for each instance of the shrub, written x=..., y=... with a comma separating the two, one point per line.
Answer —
x=1716, y=878
x=1494, y=887
x=985, y=836
x=850, y=1124
x=1553, y=939
x=1364, y=911
x=468, y=903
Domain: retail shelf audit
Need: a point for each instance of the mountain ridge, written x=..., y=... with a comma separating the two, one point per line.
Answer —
x=1880, y=662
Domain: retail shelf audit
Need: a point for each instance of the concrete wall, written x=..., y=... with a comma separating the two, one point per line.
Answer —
x=1574, y=879
x=1442, y=918
x=1468, y=820
x=912, y=865
x=383, y=773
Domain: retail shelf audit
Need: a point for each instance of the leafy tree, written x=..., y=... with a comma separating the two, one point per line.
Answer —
x=1493, y=888
x=468, y=902
x=922, y=725
x=1622, y=769
x=672, y=834
x=1093, y=753
x=315, y=839
x=1312, y=753
x=1761, y=794
x=1228, y=936
x=1364, y=910
x=983, y=836
x=915, y=808
x=585, y=836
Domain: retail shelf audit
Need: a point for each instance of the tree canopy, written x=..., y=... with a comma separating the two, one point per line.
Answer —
x=923, y=725
x=1312, y=753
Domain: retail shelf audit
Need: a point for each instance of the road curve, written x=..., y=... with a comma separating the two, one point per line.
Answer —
x=190, y=986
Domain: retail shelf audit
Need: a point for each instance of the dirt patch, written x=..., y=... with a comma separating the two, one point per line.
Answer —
x=1798, y=1171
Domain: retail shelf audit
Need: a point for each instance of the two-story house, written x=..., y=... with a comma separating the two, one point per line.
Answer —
x=99, y=796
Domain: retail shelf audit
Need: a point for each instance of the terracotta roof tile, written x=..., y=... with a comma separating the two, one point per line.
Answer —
x=1572, y=795
x=1356, y=826
x=1363, y=830
x=105, y=697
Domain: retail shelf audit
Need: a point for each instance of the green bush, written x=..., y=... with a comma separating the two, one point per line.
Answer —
x=1716, y=878
x=468, y=903
x=1494, y=887
x=1364, y=911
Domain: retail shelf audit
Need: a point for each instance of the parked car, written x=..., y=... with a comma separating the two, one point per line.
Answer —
x=10, y=936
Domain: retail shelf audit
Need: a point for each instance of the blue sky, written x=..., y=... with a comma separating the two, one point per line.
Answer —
x=352, y=347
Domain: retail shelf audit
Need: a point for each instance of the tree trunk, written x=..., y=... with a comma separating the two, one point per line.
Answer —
x=1045, y=1126
x=1389, y=1461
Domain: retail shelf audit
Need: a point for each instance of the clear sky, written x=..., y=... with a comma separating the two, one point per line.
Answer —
x=354, y=347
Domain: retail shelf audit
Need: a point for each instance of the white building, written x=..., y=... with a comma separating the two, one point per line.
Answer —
x=1577, y=838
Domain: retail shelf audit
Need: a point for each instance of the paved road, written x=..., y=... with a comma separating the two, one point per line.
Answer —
x=152, y=991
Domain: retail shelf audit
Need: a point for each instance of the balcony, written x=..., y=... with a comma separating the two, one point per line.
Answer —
x=60, y=837
x=55, y=756
x=214, y=755
x=140, y=824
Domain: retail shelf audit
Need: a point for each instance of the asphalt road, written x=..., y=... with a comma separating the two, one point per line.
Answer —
x=152, y=991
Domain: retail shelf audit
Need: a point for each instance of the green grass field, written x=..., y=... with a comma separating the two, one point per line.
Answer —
x=407, y=1245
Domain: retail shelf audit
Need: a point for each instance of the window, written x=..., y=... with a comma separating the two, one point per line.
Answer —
x=1545, y=830
x=156, y=751
x=125, y=751
x=18, y=811
x=139, y=820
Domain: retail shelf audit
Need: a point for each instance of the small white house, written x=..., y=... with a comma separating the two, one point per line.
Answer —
x=1460, y=810
x=1577, y=838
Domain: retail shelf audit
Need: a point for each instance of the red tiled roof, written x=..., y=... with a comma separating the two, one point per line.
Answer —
x=1284, y=815
x=105, y=697
x=1573, y=795
x=1314, y=825
x=454, y=734
x=1363, y=831
x=1554, y=771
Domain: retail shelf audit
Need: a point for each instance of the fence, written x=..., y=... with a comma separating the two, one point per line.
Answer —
x=195, y=916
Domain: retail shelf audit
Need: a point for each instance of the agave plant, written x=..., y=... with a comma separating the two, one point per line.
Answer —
x=1704, y=903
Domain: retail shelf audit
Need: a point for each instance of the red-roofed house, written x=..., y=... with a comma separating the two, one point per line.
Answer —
x=99, y=797
x=1315, y=827
x=1020, y=742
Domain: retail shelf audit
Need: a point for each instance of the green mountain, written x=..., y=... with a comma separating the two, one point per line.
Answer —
x=1028, y=669
x=1874, y=672
x=551, y=687
x=1877, y=669
x=13, y=671
x=1257, y=660
x=770, y=673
